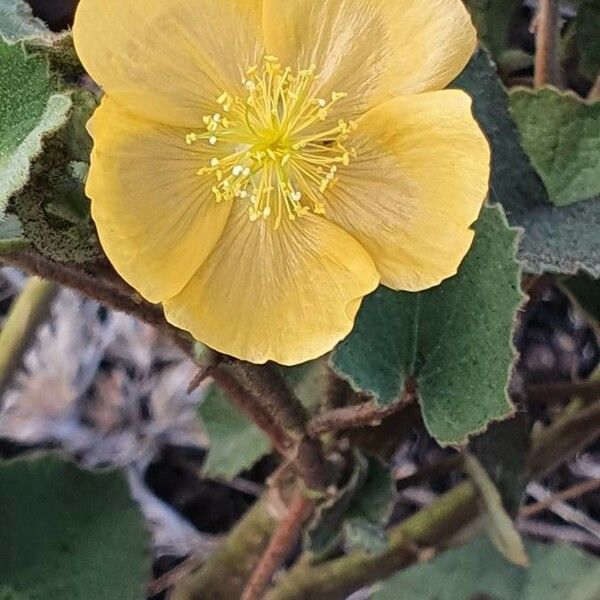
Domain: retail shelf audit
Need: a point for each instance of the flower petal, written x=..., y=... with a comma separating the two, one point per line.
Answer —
x=417, y=185
x=156, y=218
x=168, y=60
x=373, y=50
x=287, y=295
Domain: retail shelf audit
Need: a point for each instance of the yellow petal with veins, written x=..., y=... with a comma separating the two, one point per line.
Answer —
x=417, y=185
x=372, y=49
x=287, y=295
x=156, y=219
x=168, y=59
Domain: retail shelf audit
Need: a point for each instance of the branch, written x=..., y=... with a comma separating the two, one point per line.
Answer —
x=564, y=439
x=224, y=576
x=575, y=491
x=547, y=30
x=27, y=312
x=555, y=392
x=281, y=544
x=366, y=414
x=337, y=579
x=251, y=407
x=105, y=287
x=266, y=384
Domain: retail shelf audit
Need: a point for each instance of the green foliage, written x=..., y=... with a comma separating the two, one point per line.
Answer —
x=496, y=521
x=69, y=534
x=561, y=134
x=478, y=571
x=354, y=518
x=30, y=110
x=235, y=442
x=556, y=239
x=492, y=19
x=502, y=451
x=53, y=207
x=588, y=41
x=17, y=24
x=454, y=340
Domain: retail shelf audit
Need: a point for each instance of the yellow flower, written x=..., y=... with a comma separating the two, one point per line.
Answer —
x=260, y=166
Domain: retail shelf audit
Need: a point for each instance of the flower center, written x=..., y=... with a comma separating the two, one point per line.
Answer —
x=276, y=149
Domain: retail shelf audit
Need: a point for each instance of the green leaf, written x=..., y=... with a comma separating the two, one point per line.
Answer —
x=30, y=110
x=370, y=510
x=502, y=451
x=498, y=525
x=355, y=517
x=587, y=26
x=235, y=442
x=561, y=134
x=17, y=23
x=360, y=534
x=556, y=239
x=455, y=340
x=477, y=571
x=70, y=534
x=7, y=593
x=325, y=531
x=53, y=207
x=492, y=19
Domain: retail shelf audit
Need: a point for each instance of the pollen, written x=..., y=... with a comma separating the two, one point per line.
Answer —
x=279, y=147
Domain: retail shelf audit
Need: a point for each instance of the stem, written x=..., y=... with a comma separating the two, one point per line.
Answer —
x=104, y=287
x=556, y=392
x=281, y=544
x=575, y=491
x=224, y=576
x=266, y=384
x=251, y=407
x=349, y=417
x=28, y=311
x=337, y=579
x=563, y=439
x=547, y=29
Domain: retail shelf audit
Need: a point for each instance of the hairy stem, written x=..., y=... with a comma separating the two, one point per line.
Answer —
x=547, y=29
x=251, y=407
x=349, y=417
x=266, y=384
x=26, y=314
x=225, y=575
x=101, y=285
x=280, y=546
x=337, y=579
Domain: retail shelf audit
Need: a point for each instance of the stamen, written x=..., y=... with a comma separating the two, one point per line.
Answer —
x=278, y=150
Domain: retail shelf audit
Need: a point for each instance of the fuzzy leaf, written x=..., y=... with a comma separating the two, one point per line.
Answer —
x=478, y=571
x=455, y=340
x=68, y=533
x=53, y=207
x=587, y=26
x=17, y=24
x=556, y=239
x=30, y=110
x=235, y=442
x=561, y=134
